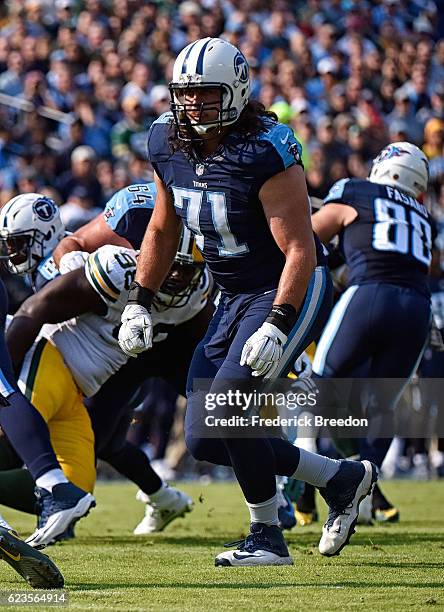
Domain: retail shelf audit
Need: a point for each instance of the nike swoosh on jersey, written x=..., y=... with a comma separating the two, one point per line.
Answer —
x=284, y=140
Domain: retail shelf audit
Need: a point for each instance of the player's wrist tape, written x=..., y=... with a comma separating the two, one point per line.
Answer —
x=140, y=295
x=283, y=316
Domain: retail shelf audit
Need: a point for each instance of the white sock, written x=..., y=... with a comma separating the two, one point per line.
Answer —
x=315, y=469
x=163, y=496
x=266, y=512
x=388, y=466
x=50, y=479
x=4, y=523
x=307, y=435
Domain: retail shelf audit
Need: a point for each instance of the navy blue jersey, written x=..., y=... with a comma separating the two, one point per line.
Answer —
x=391, y=239
x=218, y=200
x=129, y=211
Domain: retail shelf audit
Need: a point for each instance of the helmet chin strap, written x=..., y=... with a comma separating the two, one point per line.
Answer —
x=205, y=130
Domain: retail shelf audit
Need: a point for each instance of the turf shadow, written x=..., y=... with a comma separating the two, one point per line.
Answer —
x=156, y=539
x=249, y=585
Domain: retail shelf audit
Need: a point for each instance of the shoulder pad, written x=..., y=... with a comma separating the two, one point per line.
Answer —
x=137, y=196
x=283, y=140
x=110, y=270
x=158, y=148
x=338, y=192
x=165, y=118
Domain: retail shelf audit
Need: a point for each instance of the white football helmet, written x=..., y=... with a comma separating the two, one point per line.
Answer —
x=30, y=228
x=212, y=63
x=401, y=165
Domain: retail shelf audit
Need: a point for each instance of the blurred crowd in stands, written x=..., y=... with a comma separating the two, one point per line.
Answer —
x=82, y=80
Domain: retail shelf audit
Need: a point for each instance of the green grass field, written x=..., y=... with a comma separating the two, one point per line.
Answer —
x=390, y=567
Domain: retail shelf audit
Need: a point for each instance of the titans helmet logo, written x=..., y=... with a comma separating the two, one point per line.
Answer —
x=389, y=152
x=241, y=68
x=44, y=208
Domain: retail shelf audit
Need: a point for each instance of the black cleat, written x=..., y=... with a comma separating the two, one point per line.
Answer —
x=286, y=515
x=36, y=568
x=264, y=545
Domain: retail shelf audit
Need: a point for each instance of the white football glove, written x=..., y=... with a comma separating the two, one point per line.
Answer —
x=302, y=366
x=136, y=331
x=72, y=261
x=303, y=370
x=263, y=350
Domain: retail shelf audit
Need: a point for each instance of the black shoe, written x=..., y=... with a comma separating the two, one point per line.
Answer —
x=36, y=568
x=264, y=545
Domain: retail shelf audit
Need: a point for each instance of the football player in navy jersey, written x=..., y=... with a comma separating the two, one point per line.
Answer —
x=232, y=174
x=379, y=327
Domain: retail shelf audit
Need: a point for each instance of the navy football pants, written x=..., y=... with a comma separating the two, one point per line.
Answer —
x=255, y=461
x=376, y=330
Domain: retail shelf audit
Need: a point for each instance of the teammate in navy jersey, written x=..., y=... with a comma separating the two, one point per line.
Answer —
x=232, y=174
x=379, y=327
